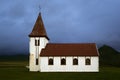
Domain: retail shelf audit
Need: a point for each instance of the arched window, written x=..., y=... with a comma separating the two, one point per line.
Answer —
x=50, y=61
x=87, y=61
x=63, y=61
x=75, y=61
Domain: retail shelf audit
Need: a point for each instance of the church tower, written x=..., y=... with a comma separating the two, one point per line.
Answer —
x=38, y=40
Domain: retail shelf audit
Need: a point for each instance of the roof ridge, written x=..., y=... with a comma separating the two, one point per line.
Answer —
x=71, y=43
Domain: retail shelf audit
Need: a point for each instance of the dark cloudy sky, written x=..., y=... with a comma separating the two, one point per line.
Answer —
x=71, y=21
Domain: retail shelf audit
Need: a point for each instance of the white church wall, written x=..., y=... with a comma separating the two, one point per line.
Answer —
x=93, y=67
x=32, y=56
x=32, y=64
x=32, y=46
x=35, y=51
x=43, y=42
x=69, y=67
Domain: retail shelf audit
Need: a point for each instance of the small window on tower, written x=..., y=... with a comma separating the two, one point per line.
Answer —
x=37, y=61
x=38, y=42
x=35, y=42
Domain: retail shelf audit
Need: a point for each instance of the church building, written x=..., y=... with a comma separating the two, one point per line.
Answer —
x=60, y=57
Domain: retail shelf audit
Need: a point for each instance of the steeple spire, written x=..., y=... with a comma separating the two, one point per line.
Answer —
x=39, y=29
x=39, y=9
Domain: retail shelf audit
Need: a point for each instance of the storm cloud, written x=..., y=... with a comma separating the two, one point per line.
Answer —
x=66, y=21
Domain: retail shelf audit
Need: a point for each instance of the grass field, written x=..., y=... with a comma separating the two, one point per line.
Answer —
x=18, y=71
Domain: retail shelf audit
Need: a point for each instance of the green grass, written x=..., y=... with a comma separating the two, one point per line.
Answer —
x=17, y=71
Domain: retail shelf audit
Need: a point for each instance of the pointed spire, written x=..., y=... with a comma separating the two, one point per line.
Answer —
x=39, y=29
x=39, y=9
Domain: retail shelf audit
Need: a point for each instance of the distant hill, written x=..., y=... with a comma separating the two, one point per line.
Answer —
x=109, y=56
x=20, y=57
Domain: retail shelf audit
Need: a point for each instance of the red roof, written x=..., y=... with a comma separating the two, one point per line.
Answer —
x=39, y=29
x=83, y=49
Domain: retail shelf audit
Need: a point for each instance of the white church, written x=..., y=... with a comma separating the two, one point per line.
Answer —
x=60, y=57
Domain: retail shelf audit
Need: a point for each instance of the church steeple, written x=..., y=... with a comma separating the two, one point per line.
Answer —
x=38, y=41
x=39, y=29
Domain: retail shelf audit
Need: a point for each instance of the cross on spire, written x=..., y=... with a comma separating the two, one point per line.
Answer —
x=39, y=9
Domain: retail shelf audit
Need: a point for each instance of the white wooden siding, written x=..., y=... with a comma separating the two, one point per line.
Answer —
x=69, y=67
